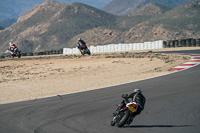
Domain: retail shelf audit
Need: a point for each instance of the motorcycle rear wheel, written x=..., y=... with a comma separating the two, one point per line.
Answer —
x=82, y=53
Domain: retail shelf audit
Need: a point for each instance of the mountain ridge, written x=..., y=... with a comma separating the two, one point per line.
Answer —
x=10, y=9
x=125, y=7
x=54, y=25
x=178, y=23
x=151, y=9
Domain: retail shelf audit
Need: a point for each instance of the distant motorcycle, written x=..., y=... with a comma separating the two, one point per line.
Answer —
x=123, y=115
x=84, y=50
x=15, y=53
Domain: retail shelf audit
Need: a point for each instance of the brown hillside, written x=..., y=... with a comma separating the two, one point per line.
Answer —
x=124, y=7
x=51, y=24
x=150, y=9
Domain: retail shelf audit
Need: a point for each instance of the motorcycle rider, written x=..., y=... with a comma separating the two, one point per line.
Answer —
x=12, y=48
x=80, y=44
x=137, y=97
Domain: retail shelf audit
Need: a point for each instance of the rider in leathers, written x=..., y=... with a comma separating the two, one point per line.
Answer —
x=137, y=97
x=80, y=44
x=12, y=48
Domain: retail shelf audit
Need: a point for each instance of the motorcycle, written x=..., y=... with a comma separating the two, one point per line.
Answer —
x=84, y=50
x=124, y=115
x=15, y=53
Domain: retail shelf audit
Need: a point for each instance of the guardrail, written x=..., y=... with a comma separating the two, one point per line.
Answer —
x=51, y=52
x=190, y=42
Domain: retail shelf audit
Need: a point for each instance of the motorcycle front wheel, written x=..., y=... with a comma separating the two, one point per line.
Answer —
x=19, y=55
x=87, y=51
x=112, y=123
x=124, y=119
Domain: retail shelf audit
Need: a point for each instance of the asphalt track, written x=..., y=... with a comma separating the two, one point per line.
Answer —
x=173, y=106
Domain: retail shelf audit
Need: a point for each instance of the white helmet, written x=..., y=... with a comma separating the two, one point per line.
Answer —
x=10, y=43
x=137, y=90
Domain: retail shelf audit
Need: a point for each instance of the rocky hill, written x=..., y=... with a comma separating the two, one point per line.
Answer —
x=52, y=25
x=148, y=11
x=12, y=9
x=178, y=23
x=151, y=9
x=119, y=7
x=15, y=8
x=162, y=23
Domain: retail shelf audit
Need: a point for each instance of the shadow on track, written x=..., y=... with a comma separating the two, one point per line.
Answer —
x=153, y=126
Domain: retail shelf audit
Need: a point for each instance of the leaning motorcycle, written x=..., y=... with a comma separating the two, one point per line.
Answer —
x=15, y=53
x=85, y=50
x=123, y=115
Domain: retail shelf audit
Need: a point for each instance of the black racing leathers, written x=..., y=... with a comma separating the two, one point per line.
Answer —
x=80, y=44
x=139, y=99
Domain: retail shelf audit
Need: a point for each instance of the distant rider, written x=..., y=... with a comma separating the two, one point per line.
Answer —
x=135, y=96
x=81, y=44
x=12, y=48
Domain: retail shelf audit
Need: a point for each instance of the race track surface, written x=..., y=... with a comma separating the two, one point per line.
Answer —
x=173, y=106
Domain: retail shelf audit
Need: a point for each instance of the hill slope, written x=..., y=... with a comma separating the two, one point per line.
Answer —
x=14, y=8
x=51, y=24
x=151, y=9
x=148, y=11
x=159, y=24
x=119, y=7
x=178, y=23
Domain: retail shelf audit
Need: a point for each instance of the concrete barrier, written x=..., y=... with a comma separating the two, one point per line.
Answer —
x=119, y=47
x=160, y=44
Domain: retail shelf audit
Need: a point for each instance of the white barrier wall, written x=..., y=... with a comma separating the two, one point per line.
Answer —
x=118, y=47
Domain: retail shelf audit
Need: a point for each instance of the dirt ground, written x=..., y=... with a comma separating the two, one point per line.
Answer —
x=36, y=77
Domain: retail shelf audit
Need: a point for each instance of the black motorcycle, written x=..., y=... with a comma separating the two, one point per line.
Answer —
x=123, y=115
x=84, y=50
